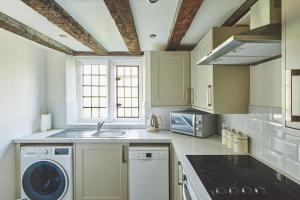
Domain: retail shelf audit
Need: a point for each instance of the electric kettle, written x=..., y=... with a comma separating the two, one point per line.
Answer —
x=152, y=123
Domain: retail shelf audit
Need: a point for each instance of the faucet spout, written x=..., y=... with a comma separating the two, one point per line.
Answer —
x=99, y=126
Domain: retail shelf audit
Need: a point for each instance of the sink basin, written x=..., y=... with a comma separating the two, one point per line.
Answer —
x=111, y=134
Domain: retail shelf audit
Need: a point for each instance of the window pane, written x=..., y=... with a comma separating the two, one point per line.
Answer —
x=95, y=69
x=103, y=81
x=87, y=91
x=135, y=102
x=127, y=102
x=87, y=113
x=95, y=80
x=103, y=69
x=95, y=102
x=135, y=82
x=103, y=91
x=103, y=112
x=86, y=80
x=87, y=102
x=128, y=76
x=135, y=92
x=127, y=92
x=87, y=69
x=95, y=113
x=95, y=91
x=103, y=102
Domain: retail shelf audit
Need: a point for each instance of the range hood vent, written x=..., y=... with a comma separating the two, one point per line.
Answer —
x=249, y=48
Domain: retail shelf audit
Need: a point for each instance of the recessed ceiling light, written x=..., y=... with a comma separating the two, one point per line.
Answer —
x=63, y=35
x=152, y=1
x=152, y=35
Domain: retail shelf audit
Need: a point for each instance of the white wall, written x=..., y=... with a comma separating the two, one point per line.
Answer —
x=22, y=86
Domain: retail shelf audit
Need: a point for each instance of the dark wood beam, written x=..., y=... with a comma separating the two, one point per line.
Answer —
x=187, y=11
x=239, y=13
x=121, y=13
x=25, y=31
x=111, y=53
x=58, y=16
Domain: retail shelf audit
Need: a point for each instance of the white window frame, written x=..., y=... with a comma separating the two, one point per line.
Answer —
x=111, y=64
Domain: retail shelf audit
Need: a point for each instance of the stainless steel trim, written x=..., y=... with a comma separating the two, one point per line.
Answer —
x=179, y=182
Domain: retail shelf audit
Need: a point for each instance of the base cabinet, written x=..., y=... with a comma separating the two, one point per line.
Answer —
x=101, y=172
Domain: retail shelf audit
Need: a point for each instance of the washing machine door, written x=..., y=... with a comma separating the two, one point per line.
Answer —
x=45, y=180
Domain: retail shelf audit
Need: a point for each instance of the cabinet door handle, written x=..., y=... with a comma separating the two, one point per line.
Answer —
x=179, y=180
x=209, y=104
x=293, y=95
x=123, y=153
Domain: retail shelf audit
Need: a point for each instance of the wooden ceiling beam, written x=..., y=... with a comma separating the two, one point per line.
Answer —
x=187, y=11
x=14, y=26
x=110, y=53
x=58, y=16
x=121, y=13
x=239, y=13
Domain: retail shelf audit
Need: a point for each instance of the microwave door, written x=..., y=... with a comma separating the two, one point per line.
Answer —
x=183, y=123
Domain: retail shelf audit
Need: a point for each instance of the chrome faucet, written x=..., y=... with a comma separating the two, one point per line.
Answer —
x=99, y=126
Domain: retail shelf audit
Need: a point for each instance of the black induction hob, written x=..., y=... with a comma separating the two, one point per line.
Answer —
x=239, y=177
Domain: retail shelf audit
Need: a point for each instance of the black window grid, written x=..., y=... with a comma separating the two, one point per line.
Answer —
x=91, y=85
x=119, y=77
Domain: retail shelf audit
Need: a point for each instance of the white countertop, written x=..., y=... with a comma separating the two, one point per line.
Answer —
x=182, y=144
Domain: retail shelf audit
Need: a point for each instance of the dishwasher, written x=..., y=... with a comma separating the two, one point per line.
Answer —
x=149, y=173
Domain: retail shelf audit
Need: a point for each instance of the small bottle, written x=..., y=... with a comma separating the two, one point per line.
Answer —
x=230, y=138
x=224, y=134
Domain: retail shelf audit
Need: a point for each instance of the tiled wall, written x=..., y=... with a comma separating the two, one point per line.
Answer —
x=267, y=140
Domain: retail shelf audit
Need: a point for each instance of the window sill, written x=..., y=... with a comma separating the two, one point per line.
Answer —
x=108, y=125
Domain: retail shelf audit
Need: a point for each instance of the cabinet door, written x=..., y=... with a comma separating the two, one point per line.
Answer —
x=206, y=87
x=170, y=78
x=101, y=172
x=292, y=38
x=195, y=78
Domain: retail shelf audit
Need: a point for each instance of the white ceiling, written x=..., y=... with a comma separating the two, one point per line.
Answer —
x=96, y=19
x=149, y=18
x=211, y=13
x=153, y=18
x=21, y=12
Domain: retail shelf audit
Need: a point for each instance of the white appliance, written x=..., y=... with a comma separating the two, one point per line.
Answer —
x=46, y=173
x=149, y=173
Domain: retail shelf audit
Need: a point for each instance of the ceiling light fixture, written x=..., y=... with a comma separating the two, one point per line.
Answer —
x=152, y=1
x=152, y=35
x=63, y=35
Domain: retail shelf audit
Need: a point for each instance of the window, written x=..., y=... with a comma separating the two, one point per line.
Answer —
x=94, y=91
x=127, y=91
x=110, y=90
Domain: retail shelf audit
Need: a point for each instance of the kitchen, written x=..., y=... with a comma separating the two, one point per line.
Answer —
x=149, y=99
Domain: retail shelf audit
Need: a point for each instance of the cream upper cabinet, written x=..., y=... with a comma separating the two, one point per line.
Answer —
x=216, y=88
x=170, y=78
x=101, y=172
x=265, y=84
x=291, y=65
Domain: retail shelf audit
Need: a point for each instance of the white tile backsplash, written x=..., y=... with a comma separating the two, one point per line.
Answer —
x=267, y=139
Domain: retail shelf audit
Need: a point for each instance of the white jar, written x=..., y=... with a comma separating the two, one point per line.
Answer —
x=240, y=143
x=224, y=136
x=229, y=137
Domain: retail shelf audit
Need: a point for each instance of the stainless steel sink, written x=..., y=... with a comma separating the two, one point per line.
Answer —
x=90, y=134
x=111, y=134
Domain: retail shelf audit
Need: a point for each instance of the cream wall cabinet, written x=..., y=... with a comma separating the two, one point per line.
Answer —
x=265, y=84
x=170, y=78
x=291, y=65
x=216, y=88
x=101, y=171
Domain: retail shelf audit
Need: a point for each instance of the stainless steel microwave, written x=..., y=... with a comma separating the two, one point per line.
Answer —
x=194, y=123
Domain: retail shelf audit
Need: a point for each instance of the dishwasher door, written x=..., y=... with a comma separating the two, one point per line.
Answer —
x=149, y=173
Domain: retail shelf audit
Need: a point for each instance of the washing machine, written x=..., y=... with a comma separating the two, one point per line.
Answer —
x=46, y=173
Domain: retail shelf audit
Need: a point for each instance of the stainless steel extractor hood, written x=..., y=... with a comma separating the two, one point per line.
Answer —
x=249, y=48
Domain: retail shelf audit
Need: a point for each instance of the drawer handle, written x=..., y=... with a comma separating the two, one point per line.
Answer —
x=179, y=182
